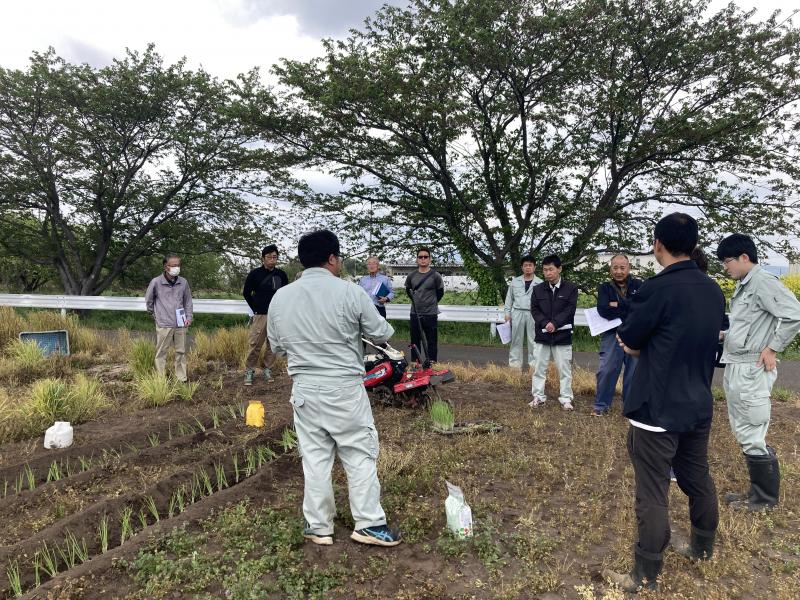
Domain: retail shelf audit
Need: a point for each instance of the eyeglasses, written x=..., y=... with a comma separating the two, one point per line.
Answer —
x=423, y=256
x=727, y=260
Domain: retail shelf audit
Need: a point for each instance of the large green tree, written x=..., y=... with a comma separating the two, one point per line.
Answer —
x=496, y=128
x=100, y=167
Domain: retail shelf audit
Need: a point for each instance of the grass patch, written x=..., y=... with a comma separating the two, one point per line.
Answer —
x=27, y=355
x=441, y=414
x=141, y=357
x=155, y=389
x=256, y=553
x=228, y=346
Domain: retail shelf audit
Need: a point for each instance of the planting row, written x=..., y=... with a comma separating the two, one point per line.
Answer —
x=109, y=523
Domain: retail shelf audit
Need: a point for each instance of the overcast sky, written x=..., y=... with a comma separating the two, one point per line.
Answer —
x=225, y=37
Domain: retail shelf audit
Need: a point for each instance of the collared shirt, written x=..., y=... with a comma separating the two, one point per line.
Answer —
x=517, y=296
x=764, y=313
x=163, y=298
x=371, y=283
x=317, y=323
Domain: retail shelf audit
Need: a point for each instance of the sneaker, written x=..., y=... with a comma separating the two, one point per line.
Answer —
x=535, y=402
x=317, y=538
x=268, y=375
x=380, y=535
x=567, y=406
x=248, y=376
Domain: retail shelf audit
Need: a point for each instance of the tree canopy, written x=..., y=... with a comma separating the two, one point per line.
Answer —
x=100, y=167
x=495, y=128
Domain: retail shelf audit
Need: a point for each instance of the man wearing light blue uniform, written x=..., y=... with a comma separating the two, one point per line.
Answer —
x=517, y=309
x=317, y=322
x=371, y=283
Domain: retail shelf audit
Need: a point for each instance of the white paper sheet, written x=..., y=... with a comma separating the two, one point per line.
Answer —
x=180, y=317
x=598, y=324
x=504, y=331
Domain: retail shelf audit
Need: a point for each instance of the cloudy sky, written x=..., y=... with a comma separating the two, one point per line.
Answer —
x=225, y=37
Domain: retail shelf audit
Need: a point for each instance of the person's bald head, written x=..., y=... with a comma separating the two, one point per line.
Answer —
x=620, y=268
x=373, y=264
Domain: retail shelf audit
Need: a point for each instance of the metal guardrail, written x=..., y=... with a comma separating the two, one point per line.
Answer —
x=400, y=312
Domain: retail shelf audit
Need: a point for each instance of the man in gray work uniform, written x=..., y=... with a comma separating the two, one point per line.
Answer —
x=765, y=317
x=317, y=322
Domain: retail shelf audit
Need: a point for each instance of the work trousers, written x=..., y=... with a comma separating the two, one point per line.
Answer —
x=562, y=356
x=612, y=359
x=747, y=391
x=171, y=337
x=652, y=454
x=258, y=338
x=522, y=325
x=337, y=420
x=430, y=324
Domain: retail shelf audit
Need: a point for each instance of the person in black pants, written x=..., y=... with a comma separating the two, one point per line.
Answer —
x=425, y=288
x=673, y=326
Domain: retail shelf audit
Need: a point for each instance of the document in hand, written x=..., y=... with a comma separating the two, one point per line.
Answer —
x=180, y=317
x=504, y=331
x=381, y=291
x=598, y=324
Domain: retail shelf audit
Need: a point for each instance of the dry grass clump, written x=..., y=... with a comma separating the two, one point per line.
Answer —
x=156, y=390
x=141, y=357
x=228, y=346
x=584, y=382
x=26, y=355
x=11, y=323
x=81, y=339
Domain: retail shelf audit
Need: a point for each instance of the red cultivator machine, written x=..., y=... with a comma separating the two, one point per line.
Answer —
x=392, y=381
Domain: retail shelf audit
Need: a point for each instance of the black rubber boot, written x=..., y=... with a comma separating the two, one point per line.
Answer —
x=699, y=547
x=644, y=575
x=765, y=481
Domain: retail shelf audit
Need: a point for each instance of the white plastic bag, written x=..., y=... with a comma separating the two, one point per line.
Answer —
x=459, y=514
x=58, y=436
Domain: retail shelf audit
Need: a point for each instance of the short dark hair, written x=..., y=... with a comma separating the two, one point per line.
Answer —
x=167, y=257
x=527, y=258
x=700, y=259
x=552, y=259
x=424, y=249
x=315, y=247
x=269, y=250
x=678, y=233
x=735, y=245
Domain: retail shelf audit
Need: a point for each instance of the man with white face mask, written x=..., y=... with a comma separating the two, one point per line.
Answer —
x=169, y=302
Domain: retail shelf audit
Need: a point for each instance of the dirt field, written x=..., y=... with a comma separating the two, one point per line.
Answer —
x=211, y=509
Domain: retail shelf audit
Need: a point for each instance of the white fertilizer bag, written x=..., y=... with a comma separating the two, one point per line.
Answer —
x=459, y=514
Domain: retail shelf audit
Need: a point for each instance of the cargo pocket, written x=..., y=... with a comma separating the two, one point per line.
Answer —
x=757, y=409
x=372, y=442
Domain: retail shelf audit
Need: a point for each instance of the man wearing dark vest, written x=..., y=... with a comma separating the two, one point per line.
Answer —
x=673, y=326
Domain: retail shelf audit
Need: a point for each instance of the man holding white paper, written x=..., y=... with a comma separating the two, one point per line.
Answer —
x=553, y=305
x=612, y=303
x=169, y=302
x=517, y=311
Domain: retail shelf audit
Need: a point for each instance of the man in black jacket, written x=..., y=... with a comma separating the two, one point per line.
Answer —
x=673, y=325
x=613, y=299
x=553, y=304
x=259, y=288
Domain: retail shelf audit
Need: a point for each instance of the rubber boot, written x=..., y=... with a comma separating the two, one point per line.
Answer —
x=248, y=376
x=644, y=575
x=739, y=496
x=765, y=479
x=699, y=547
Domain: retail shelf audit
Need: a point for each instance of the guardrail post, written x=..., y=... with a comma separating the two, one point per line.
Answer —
x=492, y=330
x=63, y=313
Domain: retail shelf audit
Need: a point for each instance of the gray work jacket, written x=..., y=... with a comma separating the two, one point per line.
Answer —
x=516, y=297
x=163, y=299
x=764, y=313
x=317, y=323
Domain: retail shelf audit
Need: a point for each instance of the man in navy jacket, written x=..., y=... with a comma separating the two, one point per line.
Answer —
x=613, y=300
x=673, y=325
x=553, y=304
